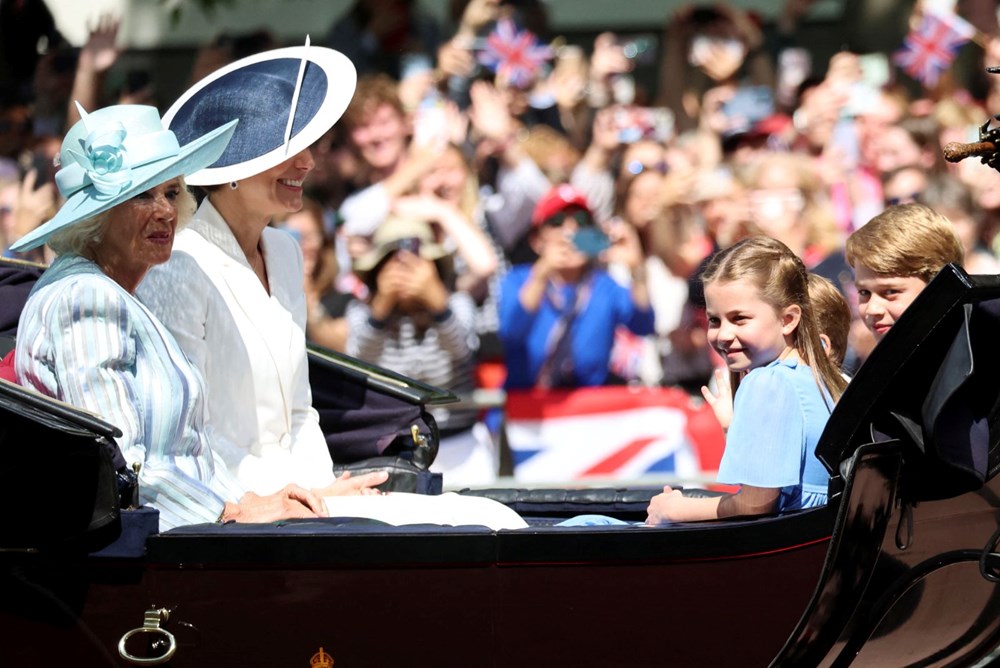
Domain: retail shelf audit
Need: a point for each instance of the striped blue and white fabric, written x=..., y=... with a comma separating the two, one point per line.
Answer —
x=441, y=353
x=84, y=340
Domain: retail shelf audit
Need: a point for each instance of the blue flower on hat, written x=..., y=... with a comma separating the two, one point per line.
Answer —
x=105, y=160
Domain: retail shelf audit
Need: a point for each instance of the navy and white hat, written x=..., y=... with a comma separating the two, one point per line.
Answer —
x=285, y=99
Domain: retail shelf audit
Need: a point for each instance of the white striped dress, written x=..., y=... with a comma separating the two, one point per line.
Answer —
x=84, y=340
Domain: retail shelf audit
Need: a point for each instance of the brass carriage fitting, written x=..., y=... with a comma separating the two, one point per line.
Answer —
x=419, y=439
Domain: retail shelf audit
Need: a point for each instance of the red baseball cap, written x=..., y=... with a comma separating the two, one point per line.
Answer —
x=558, y=199
x=772, y=125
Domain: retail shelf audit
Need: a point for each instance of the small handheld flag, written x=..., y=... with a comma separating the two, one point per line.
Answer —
x=929, y=50
x=515, y=56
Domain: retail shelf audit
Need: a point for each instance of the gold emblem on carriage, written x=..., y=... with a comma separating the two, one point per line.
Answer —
x=321, y=660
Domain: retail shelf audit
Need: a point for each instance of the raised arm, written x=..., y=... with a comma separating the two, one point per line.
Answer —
x=96, y=57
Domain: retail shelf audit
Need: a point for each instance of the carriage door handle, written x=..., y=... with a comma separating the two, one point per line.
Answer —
x=161, y=643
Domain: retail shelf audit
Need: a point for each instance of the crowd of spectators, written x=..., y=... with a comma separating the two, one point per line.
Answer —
x=448, y=150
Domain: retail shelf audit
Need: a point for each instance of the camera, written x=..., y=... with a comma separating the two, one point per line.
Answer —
x=408, y=244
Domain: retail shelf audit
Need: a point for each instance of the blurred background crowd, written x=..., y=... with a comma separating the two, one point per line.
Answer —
x=470, y=139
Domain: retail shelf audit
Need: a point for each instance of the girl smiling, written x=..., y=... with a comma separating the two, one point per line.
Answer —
x=761, y=321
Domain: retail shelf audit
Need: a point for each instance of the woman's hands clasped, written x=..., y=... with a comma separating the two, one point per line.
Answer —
x=293, y=501
x=290, y=502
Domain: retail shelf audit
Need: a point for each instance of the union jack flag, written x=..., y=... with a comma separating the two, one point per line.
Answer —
x=929, y=50
x=514, y=55
x=617, y=432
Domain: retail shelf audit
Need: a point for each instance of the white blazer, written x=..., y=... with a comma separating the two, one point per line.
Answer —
x=249, y=347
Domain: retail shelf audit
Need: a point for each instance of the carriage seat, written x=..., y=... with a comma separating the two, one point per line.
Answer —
x=623, y=503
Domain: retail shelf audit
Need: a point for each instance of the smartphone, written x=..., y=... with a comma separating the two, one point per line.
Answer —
x=862, y=99
x=749, y=105
x=845, y=138
x=875, y=69
x=635, y=123
x=591, y=241
x=794, y=66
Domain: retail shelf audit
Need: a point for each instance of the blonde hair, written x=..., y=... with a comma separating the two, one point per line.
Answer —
x=906, y=240
x=545, y=146
x=81, y=238
x=950, y=113
x=782, y=281
x=469, y=202
x=833, y=315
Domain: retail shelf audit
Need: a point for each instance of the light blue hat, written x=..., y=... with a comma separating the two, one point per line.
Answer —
x=285, y=100
x=115, y=153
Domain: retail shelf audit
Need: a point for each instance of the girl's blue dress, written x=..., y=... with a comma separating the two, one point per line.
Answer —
x=779, y=413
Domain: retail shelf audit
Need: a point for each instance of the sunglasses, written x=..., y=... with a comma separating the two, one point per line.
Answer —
x=637, y=167
x=903, y=199
x=772, y=201
x=582, y=218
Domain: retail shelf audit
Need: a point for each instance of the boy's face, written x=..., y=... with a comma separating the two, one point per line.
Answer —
x=381, y=138
x=882, y=298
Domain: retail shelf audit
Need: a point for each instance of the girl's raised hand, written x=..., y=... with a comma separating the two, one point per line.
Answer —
x=721, y=400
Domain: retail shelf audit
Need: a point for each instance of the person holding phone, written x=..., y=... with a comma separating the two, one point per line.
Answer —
x=417, y=324
x=558, y=315
x=705, y=47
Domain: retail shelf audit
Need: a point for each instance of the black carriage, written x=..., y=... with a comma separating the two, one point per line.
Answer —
x=900, y=569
